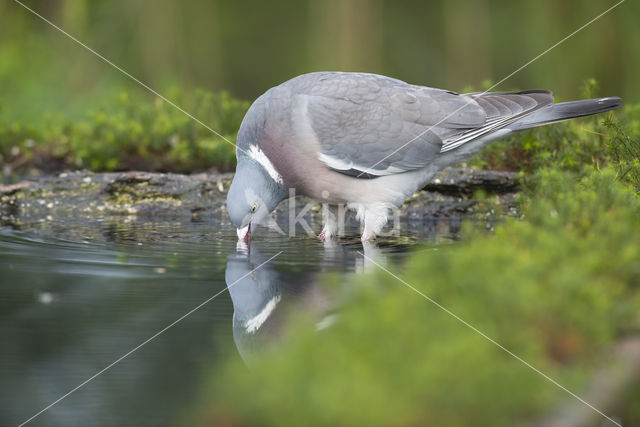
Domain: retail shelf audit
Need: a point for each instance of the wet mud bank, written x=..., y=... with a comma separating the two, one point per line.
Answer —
x=448, y=199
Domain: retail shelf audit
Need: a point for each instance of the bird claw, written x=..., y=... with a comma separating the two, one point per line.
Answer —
x=326, y=236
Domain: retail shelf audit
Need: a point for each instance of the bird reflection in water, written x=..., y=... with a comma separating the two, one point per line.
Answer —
x=264, y=298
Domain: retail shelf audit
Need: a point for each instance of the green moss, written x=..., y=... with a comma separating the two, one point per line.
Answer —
x=625, y=153
x=127, y=194
x=127, y=133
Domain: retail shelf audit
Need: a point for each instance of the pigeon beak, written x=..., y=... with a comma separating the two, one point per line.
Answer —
x=244, y=233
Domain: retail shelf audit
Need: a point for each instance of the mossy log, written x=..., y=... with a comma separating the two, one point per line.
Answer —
x=171, y=195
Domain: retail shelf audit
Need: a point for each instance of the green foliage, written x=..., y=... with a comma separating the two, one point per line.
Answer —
x=555, y=288
x=567, y=146
x=625, y=153
x=590, y=88
x=129, y=133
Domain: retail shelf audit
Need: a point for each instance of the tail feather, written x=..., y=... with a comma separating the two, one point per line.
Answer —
x=564, y=111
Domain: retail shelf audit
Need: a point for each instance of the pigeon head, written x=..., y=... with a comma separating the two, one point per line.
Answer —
x=253, y=195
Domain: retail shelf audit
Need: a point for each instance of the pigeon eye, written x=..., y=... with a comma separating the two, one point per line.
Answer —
x=254, y=208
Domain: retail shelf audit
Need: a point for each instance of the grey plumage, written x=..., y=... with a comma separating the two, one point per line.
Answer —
x=371, y=141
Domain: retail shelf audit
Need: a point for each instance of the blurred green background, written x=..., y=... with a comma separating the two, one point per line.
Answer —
x=247, y=47
x=63, y=108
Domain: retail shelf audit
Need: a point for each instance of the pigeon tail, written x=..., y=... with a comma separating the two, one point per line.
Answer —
x=566, y=110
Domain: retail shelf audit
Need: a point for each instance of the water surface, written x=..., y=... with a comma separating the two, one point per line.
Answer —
x=75, y=297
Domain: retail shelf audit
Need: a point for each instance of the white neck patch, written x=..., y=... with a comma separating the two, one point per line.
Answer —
x=258, y=155
x=253, y=324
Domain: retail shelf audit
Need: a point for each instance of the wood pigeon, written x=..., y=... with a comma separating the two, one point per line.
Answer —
x=370, y=141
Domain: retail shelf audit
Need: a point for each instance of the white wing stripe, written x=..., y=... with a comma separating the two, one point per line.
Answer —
x=341, y=165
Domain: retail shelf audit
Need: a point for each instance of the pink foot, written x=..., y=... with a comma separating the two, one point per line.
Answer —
x=326, y=236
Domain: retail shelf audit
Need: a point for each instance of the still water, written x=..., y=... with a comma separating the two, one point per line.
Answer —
x=74, y=298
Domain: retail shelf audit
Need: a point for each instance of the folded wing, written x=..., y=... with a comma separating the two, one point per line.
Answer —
x=369, y=125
